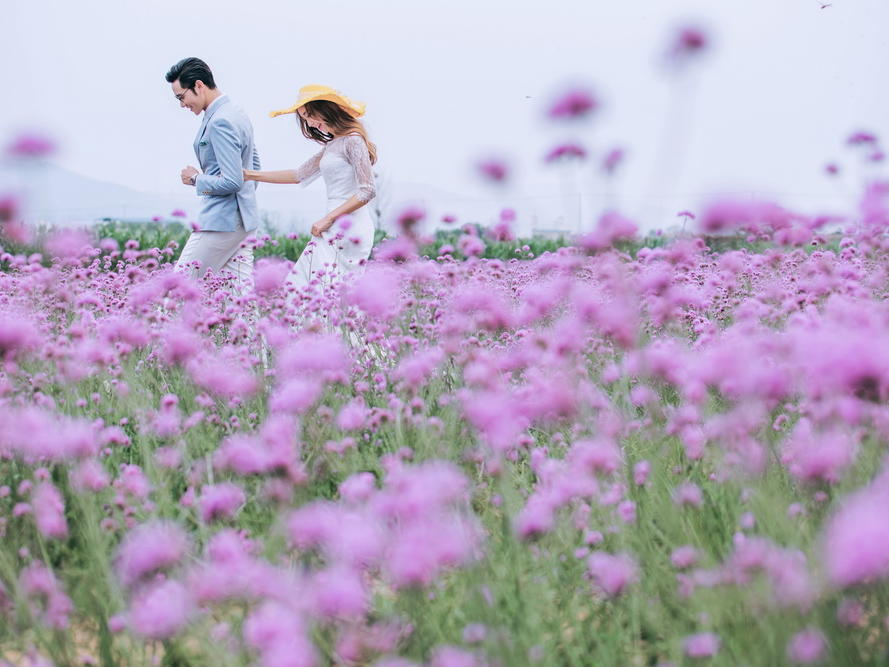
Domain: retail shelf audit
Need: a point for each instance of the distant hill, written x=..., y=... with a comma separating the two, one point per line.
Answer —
x=56, y=195
x=52, y=194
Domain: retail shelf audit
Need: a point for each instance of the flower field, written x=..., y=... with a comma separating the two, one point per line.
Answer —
x=675, y=456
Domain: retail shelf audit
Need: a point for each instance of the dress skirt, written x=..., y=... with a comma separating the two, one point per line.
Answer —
x=340, y=251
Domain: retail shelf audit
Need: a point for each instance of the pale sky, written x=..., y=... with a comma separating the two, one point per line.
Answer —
x=447, y=82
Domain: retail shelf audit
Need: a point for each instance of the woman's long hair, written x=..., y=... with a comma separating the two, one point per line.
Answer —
x=338, y=120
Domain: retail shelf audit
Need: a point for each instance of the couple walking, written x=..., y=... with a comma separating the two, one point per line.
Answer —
x=341, y=239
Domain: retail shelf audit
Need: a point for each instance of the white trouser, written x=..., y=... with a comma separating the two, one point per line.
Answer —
x=220, y=252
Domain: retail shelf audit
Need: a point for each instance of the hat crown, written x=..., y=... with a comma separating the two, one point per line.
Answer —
x=315, y=91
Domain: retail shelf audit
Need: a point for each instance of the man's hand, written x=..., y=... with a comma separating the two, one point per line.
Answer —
x=321, y=226
x=189, y=174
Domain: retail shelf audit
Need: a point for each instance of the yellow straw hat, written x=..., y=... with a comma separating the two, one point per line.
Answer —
x=314, y=92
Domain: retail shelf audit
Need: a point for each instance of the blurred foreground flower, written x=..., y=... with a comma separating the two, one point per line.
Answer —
x=688, y=43
x=573, y=104
x=270, y=274
x=408, y=220
x=31, y=146
x=806, y=647
x=612, y=227
x=494, y=170
x=861, y=137
x=612, y=160
x=703, y=645
x=68, y=243
x=856, y=541
x=11, y=228
x=564, y=151
x=612, y=574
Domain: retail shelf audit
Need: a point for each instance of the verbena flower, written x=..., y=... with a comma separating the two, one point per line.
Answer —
x=702, y=645
x=612, y=573
x=149, y=548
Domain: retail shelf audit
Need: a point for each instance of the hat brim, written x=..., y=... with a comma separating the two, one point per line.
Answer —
x=354, y=109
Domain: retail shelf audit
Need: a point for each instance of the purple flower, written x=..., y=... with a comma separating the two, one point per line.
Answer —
x=49, y=601
x=688, y=493
x=68, y=243
x=9, y=208
x=806, y=647
x=475, y=633
x=161, y=610
x=471, y=245
x=856, y=539
x=626, y=510
x=861, y=137
x=149, y=548
x=377, y=291
x=280, y=635
x=573, y=104
x=397, y=250
x=296, y=396
x=702, y=645
x=535, y=519
x=339, y=592
x=352, y=415
x=270, y=274
x=564, y=151
x=90, y=475
x=730, y=214
x=601, y=455
x=31, y=146
x=613, y=574
x=684, y=557
x=49, y=511
x=220, y=501
x=691, y=40
x=409, y=218
x=688, y=43
x=452, y=656
x=358, y=487
x=494, y=170
x=612, y=160
x=641, y=471
x=612, y=227
x=421, y=550
x=17, y=335
x=222, y=377
x=812, y=456
x=179, y=213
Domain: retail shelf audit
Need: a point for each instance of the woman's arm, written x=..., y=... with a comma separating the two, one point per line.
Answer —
x=305, y=171
x=358, y=156
x=285, y=176
x=349, y=206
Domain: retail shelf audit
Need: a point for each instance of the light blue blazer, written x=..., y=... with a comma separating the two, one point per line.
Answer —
x=224, y=147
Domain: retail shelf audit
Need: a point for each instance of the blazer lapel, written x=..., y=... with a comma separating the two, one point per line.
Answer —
x=208, y=114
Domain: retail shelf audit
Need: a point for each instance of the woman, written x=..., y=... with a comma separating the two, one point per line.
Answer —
x=329, y=118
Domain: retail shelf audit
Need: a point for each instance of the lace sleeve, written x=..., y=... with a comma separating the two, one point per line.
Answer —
x=309, y=170
x=359, y=158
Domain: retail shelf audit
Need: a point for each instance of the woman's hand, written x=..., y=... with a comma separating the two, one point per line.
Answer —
x=248, y=175
x=321, y=226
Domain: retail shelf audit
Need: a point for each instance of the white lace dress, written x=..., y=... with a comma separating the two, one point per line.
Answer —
x=344, y=163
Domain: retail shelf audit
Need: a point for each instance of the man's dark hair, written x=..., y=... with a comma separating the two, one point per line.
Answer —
x=189, y=71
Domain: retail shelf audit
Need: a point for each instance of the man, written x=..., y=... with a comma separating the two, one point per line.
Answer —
x=224, y=148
